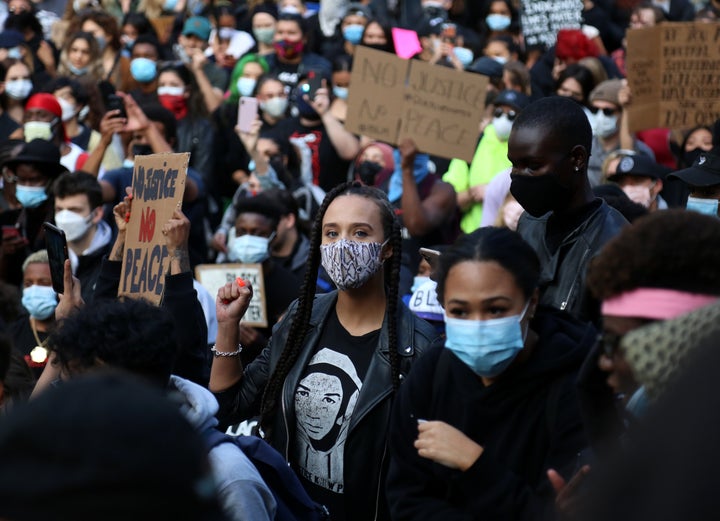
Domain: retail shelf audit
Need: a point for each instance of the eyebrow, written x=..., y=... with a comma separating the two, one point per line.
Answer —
x=486, y=300
x=327, y=225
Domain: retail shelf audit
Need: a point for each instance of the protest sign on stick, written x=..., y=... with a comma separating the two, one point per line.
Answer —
x=673, y=70
x=158, y=187
x=215, y=276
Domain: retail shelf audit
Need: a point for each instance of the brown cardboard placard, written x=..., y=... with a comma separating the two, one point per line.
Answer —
x=440, y=108
x=158, y=187
x=674, y=73
x=375, y=100
x=214, y=276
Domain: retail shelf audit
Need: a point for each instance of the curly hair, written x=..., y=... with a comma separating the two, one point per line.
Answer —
x=672, y=249
x=299, y=327
x=95, y=66
x=125, y=334
x=491, y=244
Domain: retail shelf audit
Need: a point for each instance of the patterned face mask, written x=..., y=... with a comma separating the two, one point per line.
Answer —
x=351, y=263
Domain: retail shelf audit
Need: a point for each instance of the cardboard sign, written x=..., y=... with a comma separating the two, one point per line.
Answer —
x=673, y=70
x=542, y=19
x=158, y=187
x=440, y=108
x=214, y=276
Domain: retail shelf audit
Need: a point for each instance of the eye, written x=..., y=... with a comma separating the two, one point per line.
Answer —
x=361, y=233
x=331, y=233
x=495, y=310
x=457, y=312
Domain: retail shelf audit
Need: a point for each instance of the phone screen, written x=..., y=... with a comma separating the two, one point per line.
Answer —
x=56, y=245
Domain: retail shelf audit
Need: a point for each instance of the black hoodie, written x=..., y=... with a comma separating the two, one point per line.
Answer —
x=527, y=422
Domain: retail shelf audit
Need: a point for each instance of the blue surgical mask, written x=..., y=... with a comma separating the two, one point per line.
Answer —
x=246, y=86
x=638, y=403
x=499, y=59
x=30, y=196
x=341, y=92
x=497, y=22
x=464, y=55
x=353, y=33
x=102, y=42
x=249, y=249
x=417, y=282
x=704, y=206
x=143, y=70
x=488, y=347
x=14, y=53
x=78, y=71
x=169, y=5
x=40, y=301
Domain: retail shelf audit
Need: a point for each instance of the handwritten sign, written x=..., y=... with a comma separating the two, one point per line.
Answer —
x=542, y=19
x=214, y=276
x=440, y=108
x=673, y=70
x=158, y=187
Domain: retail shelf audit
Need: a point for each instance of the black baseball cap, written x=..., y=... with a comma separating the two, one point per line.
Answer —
x=705, y=171
x=639, y=165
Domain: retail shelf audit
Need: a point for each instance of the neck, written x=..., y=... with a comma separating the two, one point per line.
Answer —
x=310, y=122
x=610, y=142
x=72, y=127
x=264, y=48
x=362, y=310
x=289, y=61
x=42, y=325
x=580, y=197
x=84, y=242
x=269, y=119
x=286, y=248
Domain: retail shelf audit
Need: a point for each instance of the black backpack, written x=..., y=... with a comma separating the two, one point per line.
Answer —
x=293, y=502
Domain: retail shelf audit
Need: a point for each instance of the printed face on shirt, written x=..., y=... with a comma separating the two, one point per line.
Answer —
x=318, y=399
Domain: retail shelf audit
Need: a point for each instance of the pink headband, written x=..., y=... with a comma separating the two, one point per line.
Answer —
x=655, y=303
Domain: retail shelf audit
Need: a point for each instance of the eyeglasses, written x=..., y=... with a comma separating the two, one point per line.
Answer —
x=609, y=343
x=607, y=112
x=511, y=115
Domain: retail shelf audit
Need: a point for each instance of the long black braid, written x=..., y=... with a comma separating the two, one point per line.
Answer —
x=300, y=322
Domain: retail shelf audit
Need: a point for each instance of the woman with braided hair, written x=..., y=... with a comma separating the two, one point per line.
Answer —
x=324, y=385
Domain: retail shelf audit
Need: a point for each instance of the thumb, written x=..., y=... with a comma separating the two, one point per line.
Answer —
x=556, y=480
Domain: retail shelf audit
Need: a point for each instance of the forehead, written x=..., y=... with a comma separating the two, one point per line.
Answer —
x=37, y=270
x=80, y=42
x=288, y=25
x=169, y=76
x=253, y=221
x=263, y=19
x=475, y=281
x=353, y=209
x=533, y=141
x=75, y=201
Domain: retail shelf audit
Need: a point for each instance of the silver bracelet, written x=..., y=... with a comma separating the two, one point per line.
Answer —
x=226, y=354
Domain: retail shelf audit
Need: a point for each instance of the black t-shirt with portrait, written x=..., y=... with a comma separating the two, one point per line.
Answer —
x=325, y=399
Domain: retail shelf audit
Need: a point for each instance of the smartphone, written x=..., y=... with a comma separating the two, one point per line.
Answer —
x=432, y=257
x=311, y=85
x=56, y=245
x=247, y=113
x=115, y=102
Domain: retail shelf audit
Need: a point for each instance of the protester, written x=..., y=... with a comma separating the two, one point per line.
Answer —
x=642, y=181
x=549, y=148
x=703, y=181
x=481, y=418
x=359, y=345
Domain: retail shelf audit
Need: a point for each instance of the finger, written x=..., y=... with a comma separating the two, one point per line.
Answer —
x=556, y=480
x=576, y=480
x=67, y=277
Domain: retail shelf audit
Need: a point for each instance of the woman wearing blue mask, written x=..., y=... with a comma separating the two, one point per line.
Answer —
x=106, y=31
x=482, y=418
x=341, y=74
x=325, y=384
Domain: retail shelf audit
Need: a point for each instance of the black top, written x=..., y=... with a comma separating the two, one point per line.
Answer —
x=7, y=126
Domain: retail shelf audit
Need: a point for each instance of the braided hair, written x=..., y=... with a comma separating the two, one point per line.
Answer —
x=299, y=326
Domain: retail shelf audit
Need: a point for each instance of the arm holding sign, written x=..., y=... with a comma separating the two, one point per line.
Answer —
x=344, y=142
x=420, y=217
x=627, y=140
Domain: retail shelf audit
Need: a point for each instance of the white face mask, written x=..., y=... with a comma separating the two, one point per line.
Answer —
x=275, y=107
x=502, y=126
x=68, y=109
x=37, y=130
x=170, y=91
x=246, y=86
x=605, y=126
x=74, y=225
x=639, y=194
x=18, y=89
x=249, y=249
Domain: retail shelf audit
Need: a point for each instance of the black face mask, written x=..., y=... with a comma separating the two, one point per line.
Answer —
x=367, y=172
x=435, y=14
x=691, y=156
x=277, y=163
x=539, y=194
x=141, y=150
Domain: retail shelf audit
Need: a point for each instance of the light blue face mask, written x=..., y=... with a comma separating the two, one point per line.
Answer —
x=40, y=301
x=488, y=347
x=417, y=282
x=143, y=70
x=264, y=35
x=464, y=55
x=250, y=249
x=14, y=53
x=638, y=403
x=341, y=92
x=30, y=196
x=353, y=33
x=78, y=71
x=246, y=86
x=497, y=22
x=102, y=42
x=703, y=206
x=169, y=5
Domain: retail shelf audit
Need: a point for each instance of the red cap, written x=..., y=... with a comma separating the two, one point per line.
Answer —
x=572, y=45
x=48, y=102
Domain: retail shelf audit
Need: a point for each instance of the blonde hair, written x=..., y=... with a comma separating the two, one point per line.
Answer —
x=39, y=257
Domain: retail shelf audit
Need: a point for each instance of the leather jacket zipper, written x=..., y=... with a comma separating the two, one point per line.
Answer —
x=377, y=497
x=285, y=421
x=565, y=302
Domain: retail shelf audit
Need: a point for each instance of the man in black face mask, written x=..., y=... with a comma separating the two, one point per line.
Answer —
x=563, y=221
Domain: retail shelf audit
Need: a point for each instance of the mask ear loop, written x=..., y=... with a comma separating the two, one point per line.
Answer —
x=521, y=318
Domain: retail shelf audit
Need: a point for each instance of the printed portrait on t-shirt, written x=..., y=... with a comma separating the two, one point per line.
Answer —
x=324, y=402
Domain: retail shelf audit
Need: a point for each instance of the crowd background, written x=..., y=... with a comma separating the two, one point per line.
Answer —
x=609, y=238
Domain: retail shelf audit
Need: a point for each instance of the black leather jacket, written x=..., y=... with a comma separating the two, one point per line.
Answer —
x=563, y=273
x=365, y=457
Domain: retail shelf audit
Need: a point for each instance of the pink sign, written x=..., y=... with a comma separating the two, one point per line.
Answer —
x=407, y=43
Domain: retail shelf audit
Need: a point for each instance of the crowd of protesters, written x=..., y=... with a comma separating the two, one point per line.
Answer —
x=519, y=336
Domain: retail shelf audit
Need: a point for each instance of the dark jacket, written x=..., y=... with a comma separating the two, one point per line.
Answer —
x=527, y=422
x=196, y=136
x=88, y=270
x=563, y=272
x=366, y=457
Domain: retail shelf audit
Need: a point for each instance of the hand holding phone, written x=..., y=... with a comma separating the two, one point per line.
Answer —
x=115, y=102
x=310, y=86
x=247, y=113
x=56, y=245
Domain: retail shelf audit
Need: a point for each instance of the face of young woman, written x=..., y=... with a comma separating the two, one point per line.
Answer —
x=79, y=53
x=354, y=218
x=482, y=290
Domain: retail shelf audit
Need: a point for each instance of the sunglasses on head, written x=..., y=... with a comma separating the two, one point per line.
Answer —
x=510, y=115
x=607, y=112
